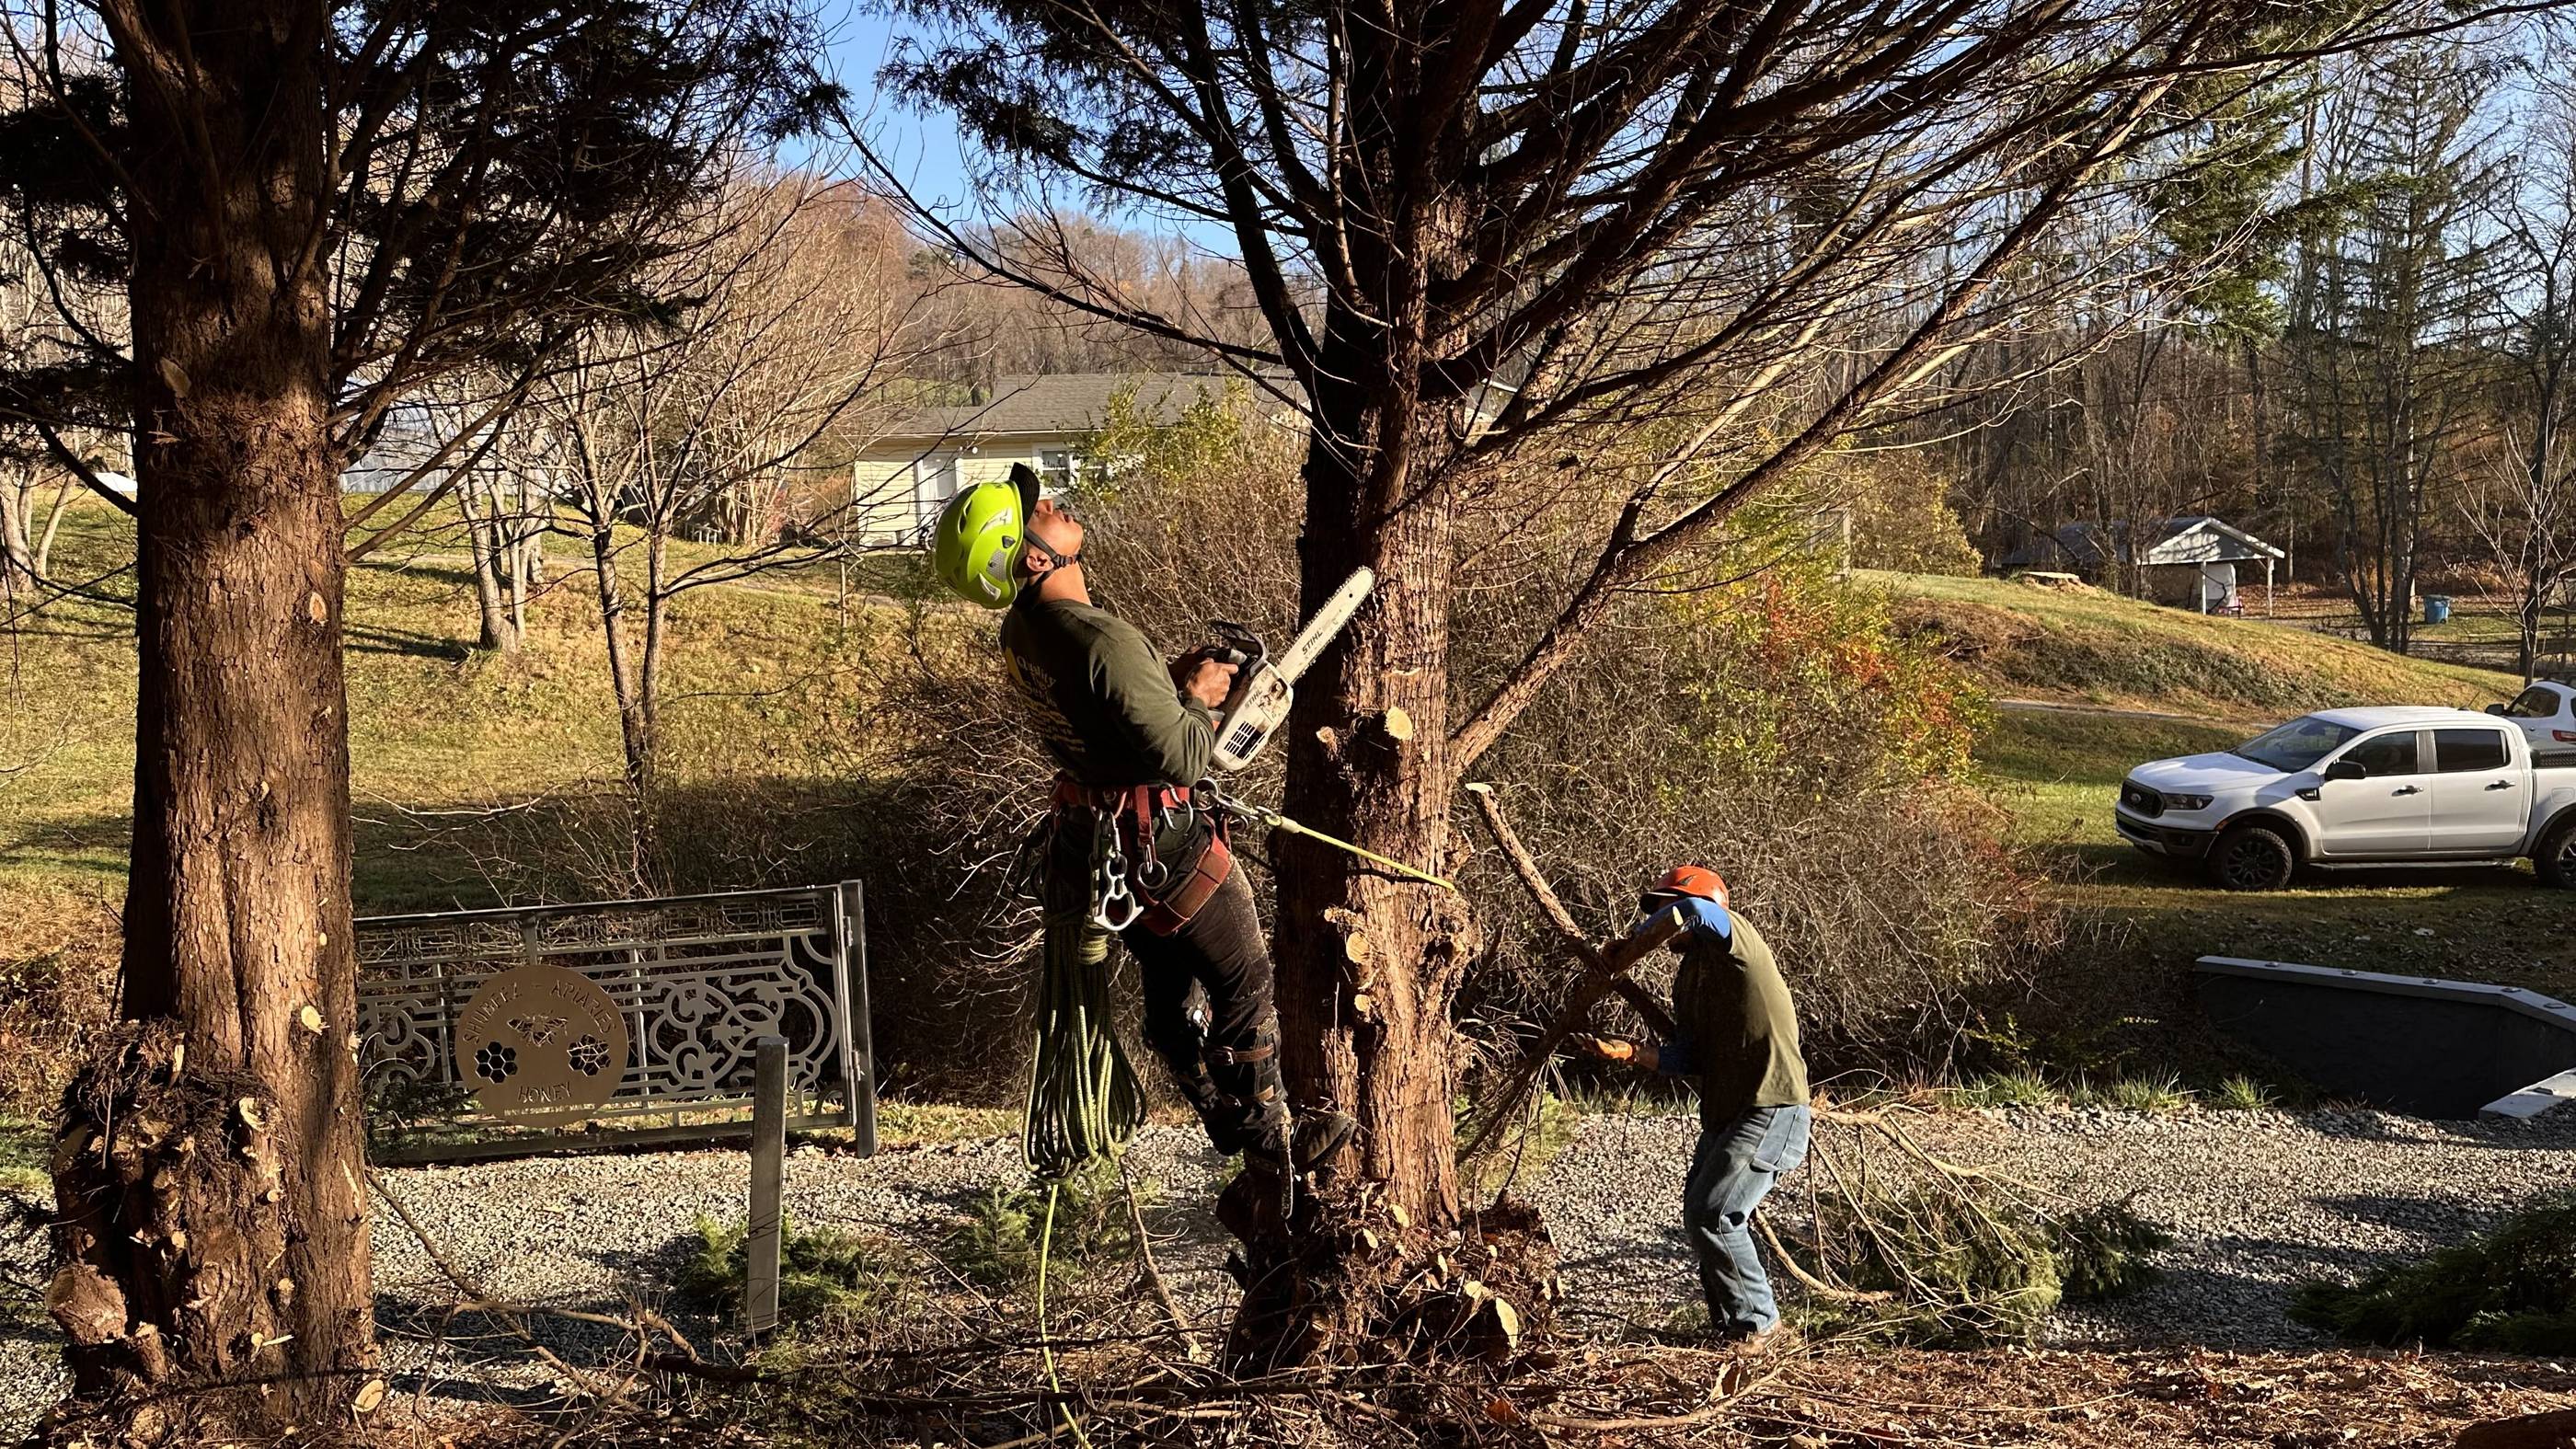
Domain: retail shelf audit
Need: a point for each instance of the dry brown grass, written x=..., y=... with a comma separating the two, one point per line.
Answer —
x=58, y=949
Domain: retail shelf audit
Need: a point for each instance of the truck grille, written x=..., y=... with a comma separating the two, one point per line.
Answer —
x=2140, y=800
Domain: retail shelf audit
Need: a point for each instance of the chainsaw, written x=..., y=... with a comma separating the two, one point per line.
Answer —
x=1265, y=687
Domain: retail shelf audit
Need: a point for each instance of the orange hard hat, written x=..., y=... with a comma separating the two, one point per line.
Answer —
x=1691, y=880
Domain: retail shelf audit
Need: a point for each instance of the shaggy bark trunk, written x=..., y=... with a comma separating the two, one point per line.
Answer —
x=214, y=1233
x=1368, y=962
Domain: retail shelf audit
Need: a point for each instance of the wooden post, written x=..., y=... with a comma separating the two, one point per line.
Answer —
x=862, y=1076
x=768, y=1166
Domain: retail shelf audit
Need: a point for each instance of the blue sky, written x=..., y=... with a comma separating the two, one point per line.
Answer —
x=925, y=151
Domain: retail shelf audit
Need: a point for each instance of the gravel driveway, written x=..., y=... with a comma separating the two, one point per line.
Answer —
x=2257, y=1202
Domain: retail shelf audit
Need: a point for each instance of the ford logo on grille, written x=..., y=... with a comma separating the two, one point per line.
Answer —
x=2141, y=799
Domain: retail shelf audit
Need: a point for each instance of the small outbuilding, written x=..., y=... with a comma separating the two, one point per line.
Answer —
x=2189, y=562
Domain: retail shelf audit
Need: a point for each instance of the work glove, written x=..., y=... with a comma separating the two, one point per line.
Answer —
x=1706, y=920
x=1603, y=1048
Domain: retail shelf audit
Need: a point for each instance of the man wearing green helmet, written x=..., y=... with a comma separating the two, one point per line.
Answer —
x=1130, y=735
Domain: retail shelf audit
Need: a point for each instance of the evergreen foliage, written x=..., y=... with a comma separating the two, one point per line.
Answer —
x=2509, y=1290
x=823, y=1271
x=997, y=1244
x=1965, y=1268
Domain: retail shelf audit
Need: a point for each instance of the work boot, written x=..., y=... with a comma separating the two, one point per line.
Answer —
x=1313, y=1136
x=1779, y=1338
x=1316, y=1136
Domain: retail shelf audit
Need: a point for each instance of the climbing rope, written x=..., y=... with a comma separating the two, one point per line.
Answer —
x=1046, y=1345
x=1084, y=1102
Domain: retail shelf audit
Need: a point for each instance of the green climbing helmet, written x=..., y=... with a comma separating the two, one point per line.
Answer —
x=975, y=547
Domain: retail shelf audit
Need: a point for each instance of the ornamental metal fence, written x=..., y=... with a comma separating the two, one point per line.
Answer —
x=697, y=981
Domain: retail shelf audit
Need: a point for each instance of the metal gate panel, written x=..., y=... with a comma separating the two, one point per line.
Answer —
x=699, y=979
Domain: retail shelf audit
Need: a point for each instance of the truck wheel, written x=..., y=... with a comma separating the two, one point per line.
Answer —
x=2253, y=858
x=2556, y=858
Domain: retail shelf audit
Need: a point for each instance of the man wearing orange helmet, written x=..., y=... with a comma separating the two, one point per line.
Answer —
x=1739, y=1038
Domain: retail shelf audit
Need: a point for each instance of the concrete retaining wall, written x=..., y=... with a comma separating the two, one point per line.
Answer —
x=2413, y=1044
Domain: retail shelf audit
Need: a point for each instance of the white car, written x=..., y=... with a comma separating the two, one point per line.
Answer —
x=2547, y=714
x=2358, y=787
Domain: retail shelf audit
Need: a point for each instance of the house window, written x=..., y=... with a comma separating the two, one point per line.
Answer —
x=1056, y=467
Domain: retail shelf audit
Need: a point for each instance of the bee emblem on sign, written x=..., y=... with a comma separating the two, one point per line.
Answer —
x=541, y=1039
x=538, y=1029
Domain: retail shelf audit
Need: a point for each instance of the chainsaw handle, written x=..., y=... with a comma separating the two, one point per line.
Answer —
x=1236, y=645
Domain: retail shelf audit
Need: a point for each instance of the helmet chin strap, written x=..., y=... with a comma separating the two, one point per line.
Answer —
x=1055, y=560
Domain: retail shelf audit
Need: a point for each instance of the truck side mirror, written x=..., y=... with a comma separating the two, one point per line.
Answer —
x=2497, y=710
x=2347, y=770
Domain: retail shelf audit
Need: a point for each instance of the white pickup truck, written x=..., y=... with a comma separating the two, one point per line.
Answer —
x=2359, y=787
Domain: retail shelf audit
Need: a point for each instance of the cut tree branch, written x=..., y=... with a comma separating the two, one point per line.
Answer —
x=1553, y=908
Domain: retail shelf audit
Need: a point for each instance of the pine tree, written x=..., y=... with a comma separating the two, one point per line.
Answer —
x=309, y=211
x=2391, y=308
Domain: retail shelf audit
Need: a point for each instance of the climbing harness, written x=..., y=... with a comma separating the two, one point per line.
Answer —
x=1131, y=881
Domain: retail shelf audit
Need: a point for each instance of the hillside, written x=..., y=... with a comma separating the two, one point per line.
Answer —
x=762, y=678
x=2120, y=1002
x=2085, y=646
x=475, y=778
x=481, y=778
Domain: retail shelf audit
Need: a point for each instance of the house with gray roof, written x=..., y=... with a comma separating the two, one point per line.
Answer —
x=901, y=481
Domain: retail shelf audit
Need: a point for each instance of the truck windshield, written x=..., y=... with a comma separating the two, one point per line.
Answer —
x=2297, y=745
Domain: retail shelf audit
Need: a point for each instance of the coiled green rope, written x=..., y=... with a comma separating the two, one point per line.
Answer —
x=1084, y=1102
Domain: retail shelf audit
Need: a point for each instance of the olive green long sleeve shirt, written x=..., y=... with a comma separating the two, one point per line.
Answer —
x=1101, y=699
x=1739, y=1028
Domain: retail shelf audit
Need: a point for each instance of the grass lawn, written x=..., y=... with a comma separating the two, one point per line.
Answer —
x=438, y=731
x=2058, y=774
x=475, y=777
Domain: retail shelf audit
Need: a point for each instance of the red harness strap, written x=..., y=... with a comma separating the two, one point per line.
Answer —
x=1177, y=901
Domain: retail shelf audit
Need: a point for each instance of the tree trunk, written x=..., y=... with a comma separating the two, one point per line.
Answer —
x=519, y=559
x=53, y=525
x=630, y=677
x=18, y=572
x=2527, y=634
x=214, y=1231
x=1366, y=960
x=1369, y=963
x=484, y=540
x=518, y=582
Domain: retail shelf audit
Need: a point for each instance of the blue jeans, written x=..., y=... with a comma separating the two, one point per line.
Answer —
x=1733, y=1171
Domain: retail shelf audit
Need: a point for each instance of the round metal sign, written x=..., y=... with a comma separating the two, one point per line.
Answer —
x=540, y=1038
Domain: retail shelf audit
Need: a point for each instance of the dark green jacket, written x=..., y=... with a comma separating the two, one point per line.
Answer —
x=1739, y=1028
x=1101, y=699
